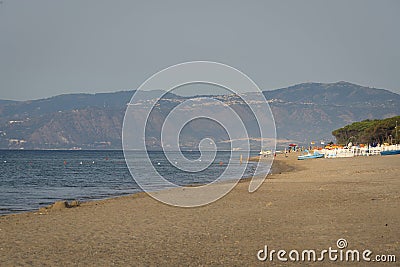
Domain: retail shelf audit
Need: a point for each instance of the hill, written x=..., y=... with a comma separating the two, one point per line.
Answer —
x=303, y=113
x=337, y=94
x=311, y=111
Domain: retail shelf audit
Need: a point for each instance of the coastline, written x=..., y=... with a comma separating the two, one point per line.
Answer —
x=278, y=166
x=302, y=204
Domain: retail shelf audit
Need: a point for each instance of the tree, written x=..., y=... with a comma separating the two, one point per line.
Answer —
x=368, y=131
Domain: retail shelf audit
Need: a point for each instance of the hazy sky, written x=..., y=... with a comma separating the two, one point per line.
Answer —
x=53, y=47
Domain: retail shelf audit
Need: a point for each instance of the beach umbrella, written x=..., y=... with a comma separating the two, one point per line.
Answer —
x=292, y=145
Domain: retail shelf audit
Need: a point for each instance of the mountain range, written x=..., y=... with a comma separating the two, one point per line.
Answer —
x=303, y=113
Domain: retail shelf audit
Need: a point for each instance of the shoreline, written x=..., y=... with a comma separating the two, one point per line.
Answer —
x=278, y=166
x=310, y=206
x=71, y=174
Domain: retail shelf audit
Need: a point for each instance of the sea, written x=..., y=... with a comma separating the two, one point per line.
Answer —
x=30, y=179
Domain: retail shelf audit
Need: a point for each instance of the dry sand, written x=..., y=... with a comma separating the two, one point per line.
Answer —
x=309, y=205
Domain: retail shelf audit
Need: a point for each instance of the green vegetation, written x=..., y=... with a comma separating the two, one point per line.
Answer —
x=370, y=131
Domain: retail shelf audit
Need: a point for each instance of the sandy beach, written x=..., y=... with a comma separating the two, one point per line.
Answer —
x=303, y=205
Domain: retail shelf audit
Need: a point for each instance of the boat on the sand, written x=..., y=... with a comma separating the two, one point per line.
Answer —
x=265, y=153
x=315, y=155
x=390, y=152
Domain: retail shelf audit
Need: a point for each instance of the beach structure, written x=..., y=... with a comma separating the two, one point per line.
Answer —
x=354, y=151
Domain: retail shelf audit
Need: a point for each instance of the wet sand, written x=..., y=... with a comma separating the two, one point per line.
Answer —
x=302, y=205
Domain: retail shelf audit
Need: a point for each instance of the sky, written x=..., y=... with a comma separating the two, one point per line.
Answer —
x=52, y=47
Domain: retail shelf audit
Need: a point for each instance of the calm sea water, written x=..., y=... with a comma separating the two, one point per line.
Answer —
x=32, y=179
